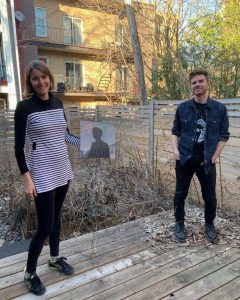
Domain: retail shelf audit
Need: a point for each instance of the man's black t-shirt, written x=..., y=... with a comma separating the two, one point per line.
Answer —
x=200, y=135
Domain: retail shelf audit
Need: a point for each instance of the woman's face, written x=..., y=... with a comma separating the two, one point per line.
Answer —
x=40, y=83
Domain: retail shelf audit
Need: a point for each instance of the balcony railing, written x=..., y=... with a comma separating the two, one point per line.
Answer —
x=73, y=84
x=60, y=36
x=3, y=76
x=66, y=84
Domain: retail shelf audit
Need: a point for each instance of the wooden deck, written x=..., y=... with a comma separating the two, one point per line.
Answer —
x=115, y=264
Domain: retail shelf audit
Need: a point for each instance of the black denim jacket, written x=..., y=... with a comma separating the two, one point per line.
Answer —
x=185, y=123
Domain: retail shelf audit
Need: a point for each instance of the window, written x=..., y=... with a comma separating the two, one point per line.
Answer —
x=44, y=59
x=122, y=78
x=121, y=36
x=3, y=74
x=72, y=31
x=40, y=22
x=74, y=76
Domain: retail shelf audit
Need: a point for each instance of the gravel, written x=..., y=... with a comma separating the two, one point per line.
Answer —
x=9, y=232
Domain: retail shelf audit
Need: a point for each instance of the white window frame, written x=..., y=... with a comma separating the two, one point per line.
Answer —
x=81, y=68
x=40, y=29
x=123, y=78
x=69, y=38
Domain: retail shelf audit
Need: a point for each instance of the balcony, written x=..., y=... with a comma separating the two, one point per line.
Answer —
x=93, y=47
x=73, y=86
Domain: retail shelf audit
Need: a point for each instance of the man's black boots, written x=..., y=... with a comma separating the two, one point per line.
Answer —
x=211, y=232
x=180, y=232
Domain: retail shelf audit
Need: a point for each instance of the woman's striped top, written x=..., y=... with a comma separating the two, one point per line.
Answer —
x=41, y=134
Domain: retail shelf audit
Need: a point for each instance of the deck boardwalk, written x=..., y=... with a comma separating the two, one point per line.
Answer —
x=115, y=263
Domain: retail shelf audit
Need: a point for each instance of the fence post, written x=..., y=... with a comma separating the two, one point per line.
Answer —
x=151, y=136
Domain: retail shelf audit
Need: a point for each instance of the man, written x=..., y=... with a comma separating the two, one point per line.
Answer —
x=199, y=133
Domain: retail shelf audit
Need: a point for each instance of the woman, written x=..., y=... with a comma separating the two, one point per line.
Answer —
x=41, y=125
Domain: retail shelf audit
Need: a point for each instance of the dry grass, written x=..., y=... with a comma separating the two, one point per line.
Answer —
x=103, y=193
x=108, y=194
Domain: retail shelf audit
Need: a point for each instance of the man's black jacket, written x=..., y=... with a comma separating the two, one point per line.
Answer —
x=185, y=125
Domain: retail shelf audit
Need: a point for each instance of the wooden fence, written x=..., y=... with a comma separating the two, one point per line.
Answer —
x=143, y=137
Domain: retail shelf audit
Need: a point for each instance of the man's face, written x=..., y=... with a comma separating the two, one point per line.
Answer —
x=199, y=85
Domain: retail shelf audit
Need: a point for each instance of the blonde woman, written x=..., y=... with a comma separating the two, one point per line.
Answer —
x=40, y=125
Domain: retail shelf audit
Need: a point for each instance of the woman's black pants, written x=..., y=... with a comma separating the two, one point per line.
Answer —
x=207, y=181
x=48, y=210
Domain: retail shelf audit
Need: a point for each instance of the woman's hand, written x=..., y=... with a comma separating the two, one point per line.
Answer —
x=29, y=187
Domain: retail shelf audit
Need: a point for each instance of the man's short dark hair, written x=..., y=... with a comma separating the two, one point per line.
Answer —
x=198, y=72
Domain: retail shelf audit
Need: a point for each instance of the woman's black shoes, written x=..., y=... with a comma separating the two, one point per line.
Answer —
x=62, y=266
x=34, y=284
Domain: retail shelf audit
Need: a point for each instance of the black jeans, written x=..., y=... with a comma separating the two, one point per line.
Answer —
x=48, y=209
x=184, y=176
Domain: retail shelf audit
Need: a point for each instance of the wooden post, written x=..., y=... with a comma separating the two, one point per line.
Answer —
x=151, y=136
x=132, y=25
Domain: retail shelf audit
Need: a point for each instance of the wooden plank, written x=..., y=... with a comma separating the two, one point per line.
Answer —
x=111, y=233
x=91, y=275
x=123, y=276
x=234, y=114
x=156, y=275
x=234, y=122
x=86, y=242
x=233, y=100
x=209, y=283
x=82, y=262
x=231, y=107
x=228, y=291
x=175, y=284
x=70, y=251
x=160, y=102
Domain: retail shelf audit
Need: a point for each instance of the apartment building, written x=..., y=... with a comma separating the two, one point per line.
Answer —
x=10, y=90
x=86, y=45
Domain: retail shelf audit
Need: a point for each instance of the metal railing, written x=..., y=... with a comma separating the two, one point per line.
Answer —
x=66, y=84
x=62, y=36
x=73, y=84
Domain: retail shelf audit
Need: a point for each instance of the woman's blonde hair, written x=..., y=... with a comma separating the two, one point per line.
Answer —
x=41, y=66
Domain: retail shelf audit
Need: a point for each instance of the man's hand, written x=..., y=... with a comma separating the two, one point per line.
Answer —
x=213, y=159
x=176, y=154
x=218, y=151
x=175, y=147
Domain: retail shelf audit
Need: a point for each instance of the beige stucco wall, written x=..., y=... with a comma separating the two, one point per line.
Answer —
x=57, y=61
x=98, y=27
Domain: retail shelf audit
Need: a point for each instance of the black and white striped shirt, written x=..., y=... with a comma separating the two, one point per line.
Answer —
x=41, y=134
